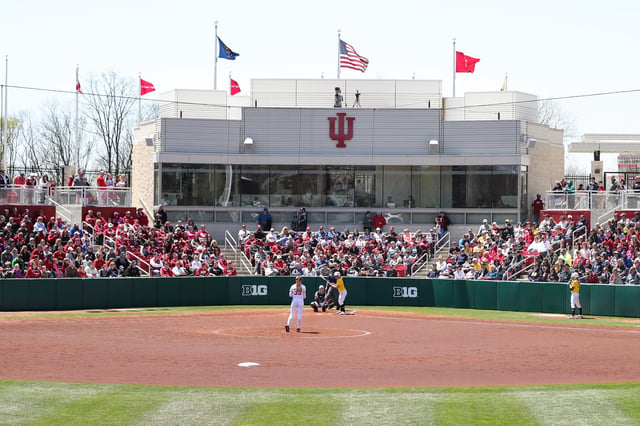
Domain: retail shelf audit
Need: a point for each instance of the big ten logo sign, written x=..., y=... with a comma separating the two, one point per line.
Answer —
x=254, y=290
x=411, y=292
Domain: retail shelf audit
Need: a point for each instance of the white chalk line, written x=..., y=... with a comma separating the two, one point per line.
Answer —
x=493, y=323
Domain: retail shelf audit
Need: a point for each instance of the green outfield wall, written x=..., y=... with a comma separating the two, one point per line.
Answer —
x=112, y=293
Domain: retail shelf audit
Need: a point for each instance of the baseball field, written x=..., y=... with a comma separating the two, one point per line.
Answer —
x=380, y=366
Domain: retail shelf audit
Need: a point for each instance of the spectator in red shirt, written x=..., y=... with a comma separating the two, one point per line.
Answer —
x=34, y=270
x=378, y=221
x=229, y=270
x=20, y=180
x=166, y=270
x=538, y=206
x=143, y=219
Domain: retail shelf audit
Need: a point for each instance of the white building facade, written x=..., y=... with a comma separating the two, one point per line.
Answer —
x=398, y=147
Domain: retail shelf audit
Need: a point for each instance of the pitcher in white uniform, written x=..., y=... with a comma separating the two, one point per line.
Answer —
x=298, y=293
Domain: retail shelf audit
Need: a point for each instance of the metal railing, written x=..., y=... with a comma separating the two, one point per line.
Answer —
x=511, y=275
x=419, y=264
x=434, y=249
x=146, y=271
x=19, y=194
x=62, y=211
x=604, y=217
x=84, y=195
x=592, y=200
x=139, y=259
x=231, y=242
x=572, y=235
x=515, y=275
x=91, y=196
x=86, y=227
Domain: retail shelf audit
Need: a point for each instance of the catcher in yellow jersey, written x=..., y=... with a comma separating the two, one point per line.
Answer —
x=574, y=286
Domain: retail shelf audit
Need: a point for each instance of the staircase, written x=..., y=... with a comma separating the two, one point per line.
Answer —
x=442, y=248
x=240, y=261
x=237, y=257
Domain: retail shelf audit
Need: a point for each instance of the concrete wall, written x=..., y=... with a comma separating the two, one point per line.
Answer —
x=546, y=161
x=142, y=179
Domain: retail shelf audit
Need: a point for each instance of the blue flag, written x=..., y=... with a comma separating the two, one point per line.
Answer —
x=225, y=52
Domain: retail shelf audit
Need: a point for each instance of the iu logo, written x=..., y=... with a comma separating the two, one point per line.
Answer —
x=340, y=136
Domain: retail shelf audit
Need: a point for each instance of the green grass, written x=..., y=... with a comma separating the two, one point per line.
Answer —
x=449, y=312
x=43, y=403
x=37, y=403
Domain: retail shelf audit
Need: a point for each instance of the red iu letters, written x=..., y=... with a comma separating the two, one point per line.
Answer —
x=341, y=136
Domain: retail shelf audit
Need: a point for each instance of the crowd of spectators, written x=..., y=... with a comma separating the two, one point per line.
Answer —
x=37, y=246
x=33, y=245
x=371, y=252
x=550, y=252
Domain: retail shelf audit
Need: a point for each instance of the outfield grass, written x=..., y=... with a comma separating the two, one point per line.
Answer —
x=449, y=312
x=36, y=403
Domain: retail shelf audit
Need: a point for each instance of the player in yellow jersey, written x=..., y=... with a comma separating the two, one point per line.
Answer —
x=342, y=292
x=574, y=286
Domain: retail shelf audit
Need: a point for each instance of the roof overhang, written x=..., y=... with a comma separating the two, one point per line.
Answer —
x=607, y=143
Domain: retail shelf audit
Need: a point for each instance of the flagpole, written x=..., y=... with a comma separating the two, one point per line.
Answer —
x=215, y=63
x=454, y=67
x=4, y=116
x=338, y=54
x=77, y=137
x=505, y=81
x=4, y=151
x=140, y=98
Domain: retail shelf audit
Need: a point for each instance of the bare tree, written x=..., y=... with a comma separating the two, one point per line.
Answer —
x=109, y=109
x=57, y=130
x=28, y=147
x=11, y=128
x=150, y=110
x=577, y=168
x=551, y=114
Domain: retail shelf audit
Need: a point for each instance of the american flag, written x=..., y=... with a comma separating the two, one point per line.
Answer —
x=349, y=58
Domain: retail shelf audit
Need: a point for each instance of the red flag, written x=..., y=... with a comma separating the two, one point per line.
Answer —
x=146, y=87
x=78, y=88
x=465, y=63
x=235, y=88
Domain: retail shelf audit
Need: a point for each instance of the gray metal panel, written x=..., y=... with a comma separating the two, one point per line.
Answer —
x=200, y=135
x=306, y=131
x=405, y=131
x=317, y=124
x=481, y=137
x=273, y=130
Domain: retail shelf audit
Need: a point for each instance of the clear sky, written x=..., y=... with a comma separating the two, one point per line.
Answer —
x=548, y=48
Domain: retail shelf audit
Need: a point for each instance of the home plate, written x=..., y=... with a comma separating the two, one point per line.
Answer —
x=248, y=364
